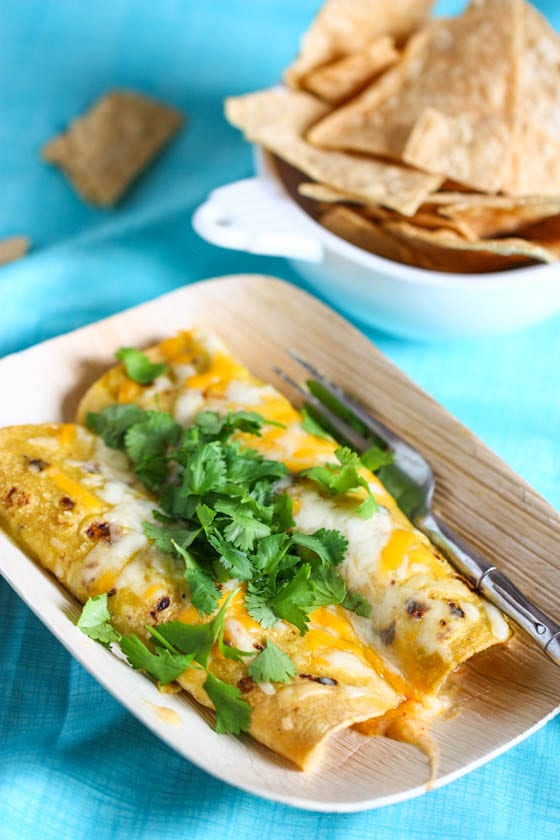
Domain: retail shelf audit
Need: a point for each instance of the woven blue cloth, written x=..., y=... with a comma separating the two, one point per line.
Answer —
x=73, y=763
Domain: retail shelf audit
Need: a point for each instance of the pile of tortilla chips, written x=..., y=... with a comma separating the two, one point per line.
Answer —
x=434, y=142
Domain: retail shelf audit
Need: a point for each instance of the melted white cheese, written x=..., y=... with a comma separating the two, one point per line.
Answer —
x=499, y=625
x=347, y=663
x=243, y=394
x=238, y=634
x=366, y=537
x=187, y=406
x=129, y=510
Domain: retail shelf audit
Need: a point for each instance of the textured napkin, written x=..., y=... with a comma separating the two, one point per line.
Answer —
x=73, y=763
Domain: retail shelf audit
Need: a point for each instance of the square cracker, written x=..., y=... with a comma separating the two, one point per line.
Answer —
x=13, y=248
x=106, y=149
x=448, y=106
x=278, y=120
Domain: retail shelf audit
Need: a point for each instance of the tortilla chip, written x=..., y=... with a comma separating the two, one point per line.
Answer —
x=424, y=217
x=448, y=106
x=536, y=163
x=278, y=120
x=343, y=27
x=546, y=234
x=13, y=248
x=322, y=192
x=500, y=215
x=106, y=149
x=517, y=251
x=345, y=77
x=437, y=250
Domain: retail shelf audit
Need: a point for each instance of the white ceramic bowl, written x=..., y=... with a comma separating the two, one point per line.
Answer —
x=259, y=216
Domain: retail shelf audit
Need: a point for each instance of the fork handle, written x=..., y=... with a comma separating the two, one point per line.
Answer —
x=494, y=585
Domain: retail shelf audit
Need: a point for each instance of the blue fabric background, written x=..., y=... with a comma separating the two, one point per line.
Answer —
x=73, y=763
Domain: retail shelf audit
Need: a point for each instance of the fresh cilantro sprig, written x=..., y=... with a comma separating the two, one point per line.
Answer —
x=95, y=621
x=339, y=479
x=233, y=714
x=374, y=458
x=138, y=366
x=224, y=516
x=176, y=647
x=272, y=665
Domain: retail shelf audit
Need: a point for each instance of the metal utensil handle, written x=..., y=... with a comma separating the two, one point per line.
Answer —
x=495, y=586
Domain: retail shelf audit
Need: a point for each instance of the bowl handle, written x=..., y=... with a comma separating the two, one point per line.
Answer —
x=253, y=215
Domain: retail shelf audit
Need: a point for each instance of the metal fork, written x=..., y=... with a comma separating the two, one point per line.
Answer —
x=411, y=481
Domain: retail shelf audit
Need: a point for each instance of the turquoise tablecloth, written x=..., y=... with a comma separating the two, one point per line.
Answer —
x=73, y=763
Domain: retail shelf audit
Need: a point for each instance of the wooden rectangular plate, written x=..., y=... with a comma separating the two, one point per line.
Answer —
x=501, y=696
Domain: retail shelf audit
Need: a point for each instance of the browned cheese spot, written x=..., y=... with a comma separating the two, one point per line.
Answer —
x=416, y=609
x=456, y=609
x=246, y=684
x=163, y=603
x=15, y=498
x=322, y=680
x=99, y=532
x=387, y=634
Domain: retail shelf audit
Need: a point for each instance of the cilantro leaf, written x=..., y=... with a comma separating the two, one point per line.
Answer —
x=244, y=530
x=270, y=553
x=113, y=422
x=333, y=478
x=165, y=537
x=233, y=559
x=357, y=603
x=327, y=587
x=347, y=457
x=205, y=470
x=203, y=592
x=272, y=665
x=294, y=600
x=195, y=639
x=283, y=512
x=151, y=437
x=329, y=546
x=176, y=504
x=205, y=516
x=256, y=604
x=138, y=366
x=367, y=508
x=374, y=458
x=305, y=592
x=247, y=466
x=95, y=621
x=233, y=714
x=164, y=665
x=337, y=479
x=211, y=424
x=202, y=589
x=312, y=427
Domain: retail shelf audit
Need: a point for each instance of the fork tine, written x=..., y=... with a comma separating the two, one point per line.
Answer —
x=340, y=426
x=375, y=426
